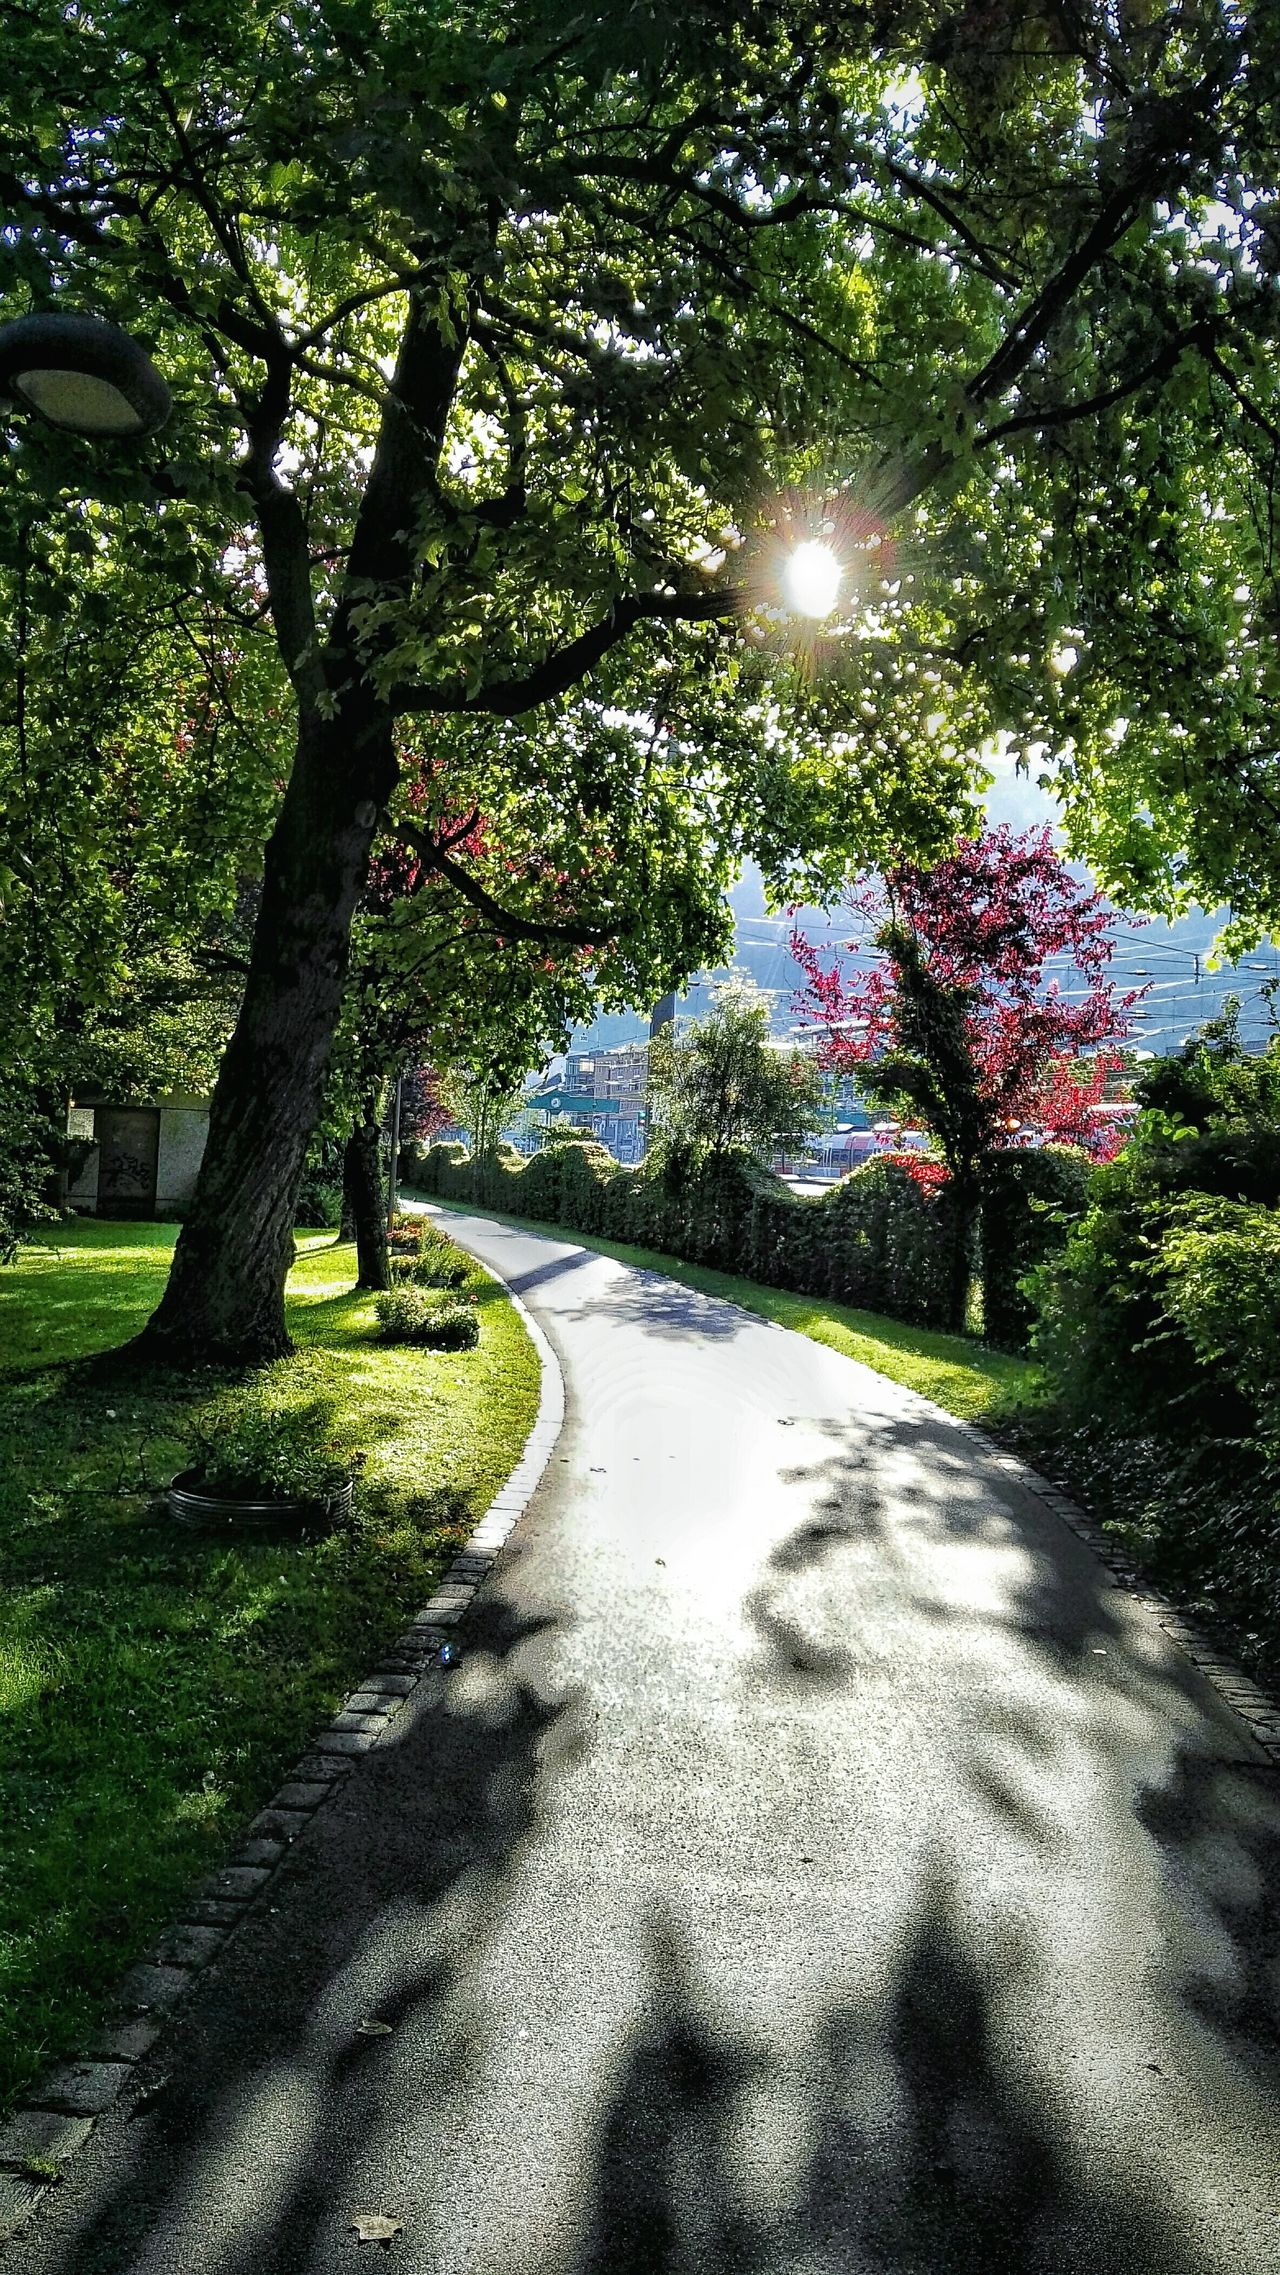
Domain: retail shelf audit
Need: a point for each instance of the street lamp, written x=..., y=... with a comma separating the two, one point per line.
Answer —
x=82, y=375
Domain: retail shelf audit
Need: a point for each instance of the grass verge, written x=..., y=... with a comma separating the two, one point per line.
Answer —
x=962, y=1376
x=154, y=1685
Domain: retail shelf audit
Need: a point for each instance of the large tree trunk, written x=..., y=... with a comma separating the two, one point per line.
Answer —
x=225, y=1297
x=362, y=1178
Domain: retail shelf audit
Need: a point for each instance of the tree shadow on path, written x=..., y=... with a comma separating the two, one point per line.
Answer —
x=892, y=2123
x=928, y=2152
x=239, y=2156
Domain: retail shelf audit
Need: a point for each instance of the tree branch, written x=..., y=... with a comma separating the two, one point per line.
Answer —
x=1037, y=422
x=220, y=959
x=223, y=225
x=284, y=537
x=1252, y=411
x=505, y=920
x=564, y=667
x=1029, y=330
x=409, y=440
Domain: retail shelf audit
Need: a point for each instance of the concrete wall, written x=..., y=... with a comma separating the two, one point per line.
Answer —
x=183, y=1133
x=184, y=1129
x=82, y=1193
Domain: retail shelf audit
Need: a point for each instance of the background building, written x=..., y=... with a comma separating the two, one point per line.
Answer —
x=137, y=1161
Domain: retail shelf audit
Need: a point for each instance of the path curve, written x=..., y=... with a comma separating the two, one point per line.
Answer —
x=815, y=1864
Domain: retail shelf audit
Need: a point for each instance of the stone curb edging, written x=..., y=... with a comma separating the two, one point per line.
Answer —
x=59, y=2114
x=1259, y=1712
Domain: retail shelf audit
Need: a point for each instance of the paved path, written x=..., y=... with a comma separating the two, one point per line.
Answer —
x=814, y=1866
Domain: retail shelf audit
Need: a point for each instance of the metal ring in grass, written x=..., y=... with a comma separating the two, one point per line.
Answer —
x=203, y=1511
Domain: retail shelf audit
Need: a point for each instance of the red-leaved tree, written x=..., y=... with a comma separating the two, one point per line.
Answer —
x=1005, y=927
x=978, y=984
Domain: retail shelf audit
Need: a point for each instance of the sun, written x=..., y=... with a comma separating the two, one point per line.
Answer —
x=811, y=579
x=820, y=568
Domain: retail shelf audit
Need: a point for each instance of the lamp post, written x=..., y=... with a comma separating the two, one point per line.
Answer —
x=82, y=375
x=85, y=377
x=393, y=1181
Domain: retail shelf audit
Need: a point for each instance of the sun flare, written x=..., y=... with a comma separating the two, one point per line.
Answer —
x=811, y=579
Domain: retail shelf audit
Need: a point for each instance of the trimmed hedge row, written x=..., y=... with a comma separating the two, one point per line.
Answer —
x=875, y=1241
x=1027, y=1202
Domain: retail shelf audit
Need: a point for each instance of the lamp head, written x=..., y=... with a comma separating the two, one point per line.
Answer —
x=82, y=375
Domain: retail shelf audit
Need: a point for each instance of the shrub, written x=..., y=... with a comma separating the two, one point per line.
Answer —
x=319, y=1205
x=1220, y=1274
x=886, y=1242
x=260, y=1444
x=436, y=1262
x=440, y=1322
x=427, y=1164
x=1114, y=1340
x=1096, y=1320
x=1028, y=1202
x=29, y=1146
x=319, y=1201
x=1239, y=1164
x=1159, y=1337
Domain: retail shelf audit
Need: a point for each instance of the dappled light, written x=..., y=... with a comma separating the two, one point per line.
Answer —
x=153, y=1680
x=499, y=503
x=812, y=1862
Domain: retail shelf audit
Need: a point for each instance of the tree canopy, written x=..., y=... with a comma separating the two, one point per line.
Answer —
x=1017, y=264
x=507, y=350
x=138, y=776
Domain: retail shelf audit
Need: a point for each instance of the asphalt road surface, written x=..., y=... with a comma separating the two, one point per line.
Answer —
x=813, y=1866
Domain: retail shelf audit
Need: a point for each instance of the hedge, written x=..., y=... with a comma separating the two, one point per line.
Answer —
x=1028, y=1202
x=875, y=1241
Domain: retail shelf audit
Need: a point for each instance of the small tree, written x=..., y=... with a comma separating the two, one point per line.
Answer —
x=957, y=1020
x=482, y=1101
x=724, y=1088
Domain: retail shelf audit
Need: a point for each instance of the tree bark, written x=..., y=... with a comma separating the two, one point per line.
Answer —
x=362, y=1176
x=225, y=1299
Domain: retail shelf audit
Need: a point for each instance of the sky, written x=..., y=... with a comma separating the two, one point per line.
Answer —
x=1168, y=960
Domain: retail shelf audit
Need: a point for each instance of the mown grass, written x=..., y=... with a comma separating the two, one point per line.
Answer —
x=961, y=1375
x=154, y=1685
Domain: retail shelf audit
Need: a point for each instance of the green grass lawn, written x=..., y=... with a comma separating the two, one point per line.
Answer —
x=153, y=1684
x=957, y=1373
